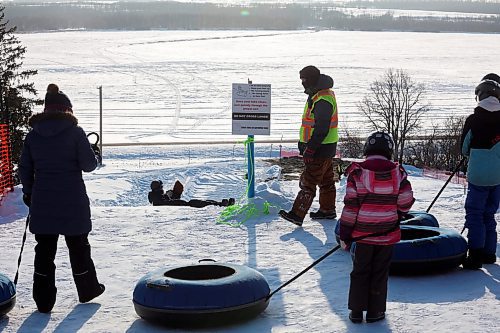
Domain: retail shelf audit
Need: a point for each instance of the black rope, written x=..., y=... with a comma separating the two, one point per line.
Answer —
x=449, y=178
x=305, y=270
x=22, y=248
x=317, y=261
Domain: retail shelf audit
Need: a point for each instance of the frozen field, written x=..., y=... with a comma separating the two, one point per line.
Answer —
x=164, y=86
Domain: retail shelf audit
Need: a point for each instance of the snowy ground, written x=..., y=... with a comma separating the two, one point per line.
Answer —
x=131, y=237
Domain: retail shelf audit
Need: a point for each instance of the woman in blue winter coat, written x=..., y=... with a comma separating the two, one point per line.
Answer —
x=55, y=153
x=481, y=143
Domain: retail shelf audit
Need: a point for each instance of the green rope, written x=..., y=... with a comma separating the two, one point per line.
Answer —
x=248, y=210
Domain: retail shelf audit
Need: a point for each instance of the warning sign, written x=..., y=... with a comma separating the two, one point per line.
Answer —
x=251, y=109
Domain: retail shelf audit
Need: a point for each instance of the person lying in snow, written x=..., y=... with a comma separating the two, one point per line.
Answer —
x=172, y=197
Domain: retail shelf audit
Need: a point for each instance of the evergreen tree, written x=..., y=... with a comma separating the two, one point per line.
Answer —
x=17, y=97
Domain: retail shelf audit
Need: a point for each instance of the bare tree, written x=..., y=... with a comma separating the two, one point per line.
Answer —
x=440, y=149
x=451, y=147
x=395, y=106
x=350, y=145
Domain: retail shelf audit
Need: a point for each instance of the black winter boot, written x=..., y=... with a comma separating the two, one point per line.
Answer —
x=88, y=288
x=320, y=215
x=373, y=317
x=292, y=217
x=44, y=292
x=474, y=260
x=488, y=258
x=356, y=316
x=97, y=291
x=83, y=268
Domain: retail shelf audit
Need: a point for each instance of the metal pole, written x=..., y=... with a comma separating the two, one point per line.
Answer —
x=22, y=248
x=251, y=169
x=100, y=120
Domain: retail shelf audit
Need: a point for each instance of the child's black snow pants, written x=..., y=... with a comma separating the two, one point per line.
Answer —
x=369, y=276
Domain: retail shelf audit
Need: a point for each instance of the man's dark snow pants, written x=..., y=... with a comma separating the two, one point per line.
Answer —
x=319, y=173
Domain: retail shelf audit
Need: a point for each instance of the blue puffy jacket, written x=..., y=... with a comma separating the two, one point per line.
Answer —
x=481, y=143
x=55, y=153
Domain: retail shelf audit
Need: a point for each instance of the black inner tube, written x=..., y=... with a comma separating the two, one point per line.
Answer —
x=201, y=272
x=409, y=234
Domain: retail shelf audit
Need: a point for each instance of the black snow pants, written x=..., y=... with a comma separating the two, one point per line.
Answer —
x=369, y=276
x=82, y=266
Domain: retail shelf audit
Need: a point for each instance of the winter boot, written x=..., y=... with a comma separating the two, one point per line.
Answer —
x=44, y=292
x=292, y=217
x=320, y=215
x=473, y=260
x=356, y=316
x=90, y=296
x=87, y=285
x=232, y=201
x=375, y=316
x=88, y=288
x=302, y=204
x=488, y=258
x=177, y=190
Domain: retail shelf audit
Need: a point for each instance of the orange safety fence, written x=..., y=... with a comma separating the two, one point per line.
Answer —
x=458, y=178
x=6, y=177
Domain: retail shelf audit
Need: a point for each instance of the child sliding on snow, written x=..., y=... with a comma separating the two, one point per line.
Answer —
x=172, y=197
x=377, y=196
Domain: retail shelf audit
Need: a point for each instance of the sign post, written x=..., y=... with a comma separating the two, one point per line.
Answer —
x=100, y=120
x=250, y=167
x=251, y=115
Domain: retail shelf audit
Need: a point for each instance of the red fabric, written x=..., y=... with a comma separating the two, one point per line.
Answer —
x=377, y=189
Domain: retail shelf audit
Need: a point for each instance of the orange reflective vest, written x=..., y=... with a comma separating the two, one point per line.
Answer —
x=307, y=127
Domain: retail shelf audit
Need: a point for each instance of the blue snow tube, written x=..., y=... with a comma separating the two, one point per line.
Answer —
x=411, y=218
x=208, y=294
x=420, y=218
x=425, y=249
x=7, y=295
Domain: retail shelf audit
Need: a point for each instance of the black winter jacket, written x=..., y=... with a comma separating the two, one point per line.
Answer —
x=55, y=153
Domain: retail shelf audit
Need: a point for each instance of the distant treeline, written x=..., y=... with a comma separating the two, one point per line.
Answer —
x=260, y=16
x=462, y=6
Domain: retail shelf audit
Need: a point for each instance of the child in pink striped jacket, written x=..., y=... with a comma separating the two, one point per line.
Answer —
x=378, y=193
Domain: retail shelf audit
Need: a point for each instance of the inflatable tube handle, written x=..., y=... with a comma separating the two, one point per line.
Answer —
x=153, y=284
x=423, y=241
x=206, y=259
x=97, y=137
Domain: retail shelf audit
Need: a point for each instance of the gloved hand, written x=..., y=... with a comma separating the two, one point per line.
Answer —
x=97, y=152
x=403, y=216
x=308, y=155
x=27, y=199
x=345, y=245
